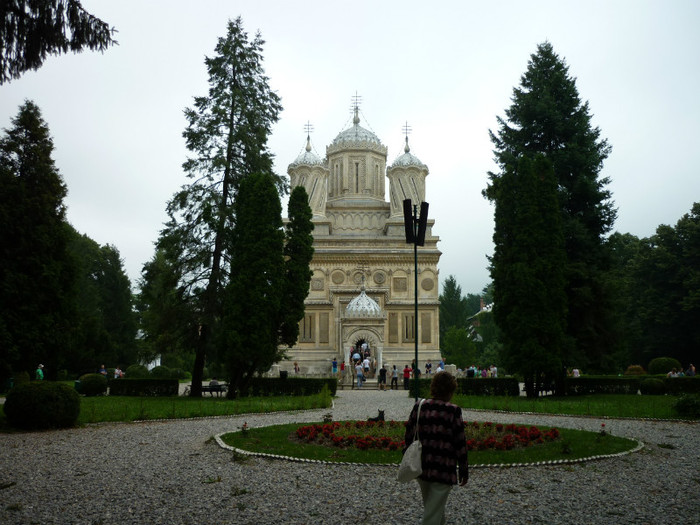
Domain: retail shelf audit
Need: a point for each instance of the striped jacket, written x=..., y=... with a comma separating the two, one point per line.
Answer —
x=441, y=432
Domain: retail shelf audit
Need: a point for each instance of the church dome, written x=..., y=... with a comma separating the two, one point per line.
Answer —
x=407, y=159
x=363, y=306
x=307, y=158
x=356, y=135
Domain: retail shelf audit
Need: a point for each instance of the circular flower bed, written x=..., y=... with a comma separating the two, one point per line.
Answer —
x=389, y=435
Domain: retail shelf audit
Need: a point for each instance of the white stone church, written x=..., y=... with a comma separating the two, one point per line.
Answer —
x=362, y=287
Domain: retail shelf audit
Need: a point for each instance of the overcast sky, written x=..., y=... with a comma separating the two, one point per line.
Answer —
x=447, y=68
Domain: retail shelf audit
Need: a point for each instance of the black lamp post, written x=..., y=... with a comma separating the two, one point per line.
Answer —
x=415, y=226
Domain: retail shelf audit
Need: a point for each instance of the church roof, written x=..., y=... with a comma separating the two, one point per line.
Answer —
x=308, y=157
x=407, y=159
x=363, y=306
x=356, y=134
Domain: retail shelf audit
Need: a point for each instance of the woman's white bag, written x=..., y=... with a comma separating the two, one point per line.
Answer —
x=410, y=467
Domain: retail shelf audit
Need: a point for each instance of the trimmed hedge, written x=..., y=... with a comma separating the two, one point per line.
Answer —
x=144, y=387
x=652, y=386
x=276, y=386
x=92, y=384
x=682, y=385
x=42, y=405
x=472, y=386
x=576, y=386
x=663, y=365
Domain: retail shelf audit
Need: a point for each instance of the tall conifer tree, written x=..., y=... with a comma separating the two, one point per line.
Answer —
x=548, y=118
x=36, y=270
x=227, y=134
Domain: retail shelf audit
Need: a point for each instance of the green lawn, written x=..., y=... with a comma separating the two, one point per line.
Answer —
x=599, y=405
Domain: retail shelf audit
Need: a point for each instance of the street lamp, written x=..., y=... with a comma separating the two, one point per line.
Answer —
x=415, y=226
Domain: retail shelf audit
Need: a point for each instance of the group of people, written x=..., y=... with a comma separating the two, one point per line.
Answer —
x=690, y=372
x=475, y=371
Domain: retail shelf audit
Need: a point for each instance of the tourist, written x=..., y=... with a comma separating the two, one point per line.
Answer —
x=394, y=378
x=691, y=370
x=360, y=374
x=382, y=378
x=334, y=366
x=575, y=373
x=356, y=357
x=428, y=367
x=365, y=365
x=441, y=432
x=296, y=367
x=39, y=374
x=103, y=370
x=118, y=373
x=406, y=377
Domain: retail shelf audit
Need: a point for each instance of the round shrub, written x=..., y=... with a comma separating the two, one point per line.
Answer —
x=136, y=372
x=663, y=365
x=21, y=378
x=688, y=405
x=93, y=384
x=652, y=386
x=42, y=405
x=635, y=370
x=179, y=373
x=161, y=372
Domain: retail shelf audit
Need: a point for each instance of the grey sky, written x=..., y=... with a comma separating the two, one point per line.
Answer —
x=447, y=68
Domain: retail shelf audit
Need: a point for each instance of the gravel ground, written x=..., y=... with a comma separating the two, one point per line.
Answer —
x=174, y=473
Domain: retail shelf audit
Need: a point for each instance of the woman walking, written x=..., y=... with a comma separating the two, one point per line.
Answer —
x=441, y=433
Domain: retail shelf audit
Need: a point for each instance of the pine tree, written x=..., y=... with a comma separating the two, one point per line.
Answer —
x=254, y=299
x=298, y=252
x=30, y=30
x=453, y=306
x=227, y=135
x=36, y=270
x=547, y=117
x=527, y=270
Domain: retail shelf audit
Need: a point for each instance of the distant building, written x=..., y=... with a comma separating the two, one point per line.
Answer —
x=362, y=288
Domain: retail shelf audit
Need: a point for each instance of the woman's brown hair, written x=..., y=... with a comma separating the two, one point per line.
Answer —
x=443, y=386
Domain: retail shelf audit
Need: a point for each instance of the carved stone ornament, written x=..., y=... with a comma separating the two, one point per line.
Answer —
x=338, y=277
x=400, y=284
x=317, y=284
x=427, y=284
x=379, y=277
x=357, y=278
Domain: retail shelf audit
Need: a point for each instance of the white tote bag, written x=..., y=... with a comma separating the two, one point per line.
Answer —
x=410, y=467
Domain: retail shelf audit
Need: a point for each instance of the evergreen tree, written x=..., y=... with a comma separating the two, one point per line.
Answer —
x=298, y=252
x=547, y=117
x=30, y=30
x=254, y=299
x=453, y=306
x=227, y=134
x=458, y=348
x=527, y=270
x=36, y=270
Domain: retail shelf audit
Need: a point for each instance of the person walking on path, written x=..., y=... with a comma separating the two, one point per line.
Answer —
x=360, y=375
x=444, y=458
x=394, y=379
x=39, y=375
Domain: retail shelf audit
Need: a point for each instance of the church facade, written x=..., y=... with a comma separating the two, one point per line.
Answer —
x=363, y=280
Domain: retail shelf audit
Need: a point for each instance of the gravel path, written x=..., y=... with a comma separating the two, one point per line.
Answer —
x=173, y=473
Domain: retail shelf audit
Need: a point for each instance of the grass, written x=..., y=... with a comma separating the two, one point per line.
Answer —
x=599, y=405
x=572, y=444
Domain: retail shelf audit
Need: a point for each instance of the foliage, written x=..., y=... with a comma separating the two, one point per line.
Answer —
x=136, y=372
x=458, y=347
x=527, y=270
x=298, y=252
x=663, y=365
x=226, y=135
x=41, y=405
x=548, y=118
x=93, y=384
x=652, y=386
x=30, y=30
x=635, y=370
x=254, y=297
x=688, y=405
x=144, y=387
x=36, y=271
x=453, y=307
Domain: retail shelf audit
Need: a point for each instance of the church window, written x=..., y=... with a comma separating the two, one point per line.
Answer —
x=306, y=328
x=425, y=327
x=357, y=177
x=409, y=334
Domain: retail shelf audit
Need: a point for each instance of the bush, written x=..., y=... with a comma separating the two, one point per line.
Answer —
x=688, y=405
x=41, y=405
x=21, y=378
x=652, y=386
x=635, y=370
x=663, y=365
x=143, y=387
x=161, y=372
x=179, y=373
x=136, y=372
x=93, y=384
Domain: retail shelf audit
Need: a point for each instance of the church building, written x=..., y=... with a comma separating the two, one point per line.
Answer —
x=362, y=287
